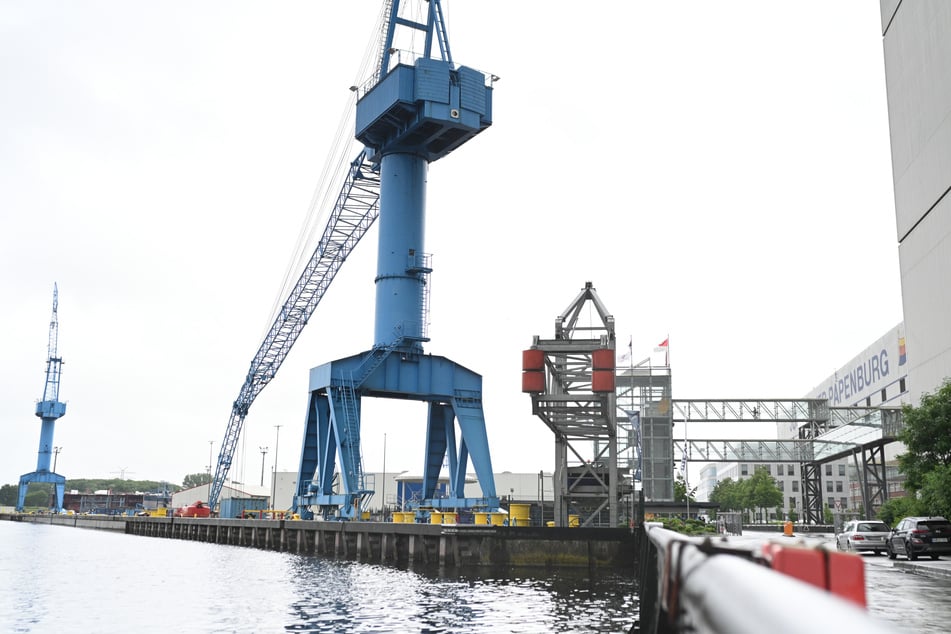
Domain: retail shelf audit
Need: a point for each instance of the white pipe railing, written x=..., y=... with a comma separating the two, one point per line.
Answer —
x=706, y=585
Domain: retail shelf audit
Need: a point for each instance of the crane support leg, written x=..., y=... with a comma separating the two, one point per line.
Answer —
x=332, y=430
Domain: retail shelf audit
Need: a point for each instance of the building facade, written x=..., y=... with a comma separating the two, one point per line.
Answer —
x=916, y=40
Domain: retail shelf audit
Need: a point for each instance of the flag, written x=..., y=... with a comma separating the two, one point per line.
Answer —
x=630, y=351
x=664, y=346
x=683, y=465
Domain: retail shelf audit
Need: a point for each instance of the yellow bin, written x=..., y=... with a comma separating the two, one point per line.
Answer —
x=573, y=521
x=497, y=519
x=399, y=517
x=365, y=515
x=481, y=518
x=520, y=514
x=435, y=517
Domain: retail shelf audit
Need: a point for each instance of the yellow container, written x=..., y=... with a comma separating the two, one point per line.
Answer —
x=549, y=524
x=365, y=515
x=398, y=517
x=435, y=517
x=497, y=519
x=520, y=514
x=573, y=521
x=481, y=518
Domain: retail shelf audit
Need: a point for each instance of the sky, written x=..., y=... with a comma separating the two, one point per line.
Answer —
x=720, y=172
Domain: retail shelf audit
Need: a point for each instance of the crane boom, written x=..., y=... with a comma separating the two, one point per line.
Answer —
x=356, y=209
x=54, y=362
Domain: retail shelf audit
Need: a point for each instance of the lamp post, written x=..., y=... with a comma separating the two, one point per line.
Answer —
x=383, y=493
x=277, y=441
x=211, y=444
x=263, y=453
x=56, y=451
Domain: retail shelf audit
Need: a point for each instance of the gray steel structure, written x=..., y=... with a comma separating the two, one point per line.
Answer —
x=604, y=441
x=584, y=422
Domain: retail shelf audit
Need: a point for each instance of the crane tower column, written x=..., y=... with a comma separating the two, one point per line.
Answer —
x=401, y=261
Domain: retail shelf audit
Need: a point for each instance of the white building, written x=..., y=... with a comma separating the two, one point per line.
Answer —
x=917, y=49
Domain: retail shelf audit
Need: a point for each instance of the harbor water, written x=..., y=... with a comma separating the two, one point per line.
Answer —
x=62, y=579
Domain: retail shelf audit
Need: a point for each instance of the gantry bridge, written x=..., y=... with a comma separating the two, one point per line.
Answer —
x=825, y=434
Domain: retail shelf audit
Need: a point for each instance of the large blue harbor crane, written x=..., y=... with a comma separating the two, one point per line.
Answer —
x=49, y=410
x=416, y=107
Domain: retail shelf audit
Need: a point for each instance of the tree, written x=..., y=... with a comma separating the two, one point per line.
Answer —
x=196, y=479
x=927, y=435
x=680, y=490
x=8, y=494
x=762, y=491
x=729, y=494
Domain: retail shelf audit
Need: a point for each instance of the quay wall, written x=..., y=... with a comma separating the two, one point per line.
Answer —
x=462, y=545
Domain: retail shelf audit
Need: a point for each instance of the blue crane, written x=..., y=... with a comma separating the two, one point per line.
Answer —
x=49, y=410
x=415, y=108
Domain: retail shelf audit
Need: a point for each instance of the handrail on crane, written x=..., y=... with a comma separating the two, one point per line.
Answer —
x=356, y=208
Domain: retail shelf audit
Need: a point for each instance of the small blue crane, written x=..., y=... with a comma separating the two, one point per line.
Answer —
x=48, y=410
x=417, y=107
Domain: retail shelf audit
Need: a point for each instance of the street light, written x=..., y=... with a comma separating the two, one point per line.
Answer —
x=274, y=479
x=263, y=453
x=211, y=444
x=383, y=494
x=56, y=451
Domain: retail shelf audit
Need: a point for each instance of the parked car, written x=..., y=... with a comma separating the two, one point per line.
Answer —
x=863, y=536
x=915, y=536
x=198, y=509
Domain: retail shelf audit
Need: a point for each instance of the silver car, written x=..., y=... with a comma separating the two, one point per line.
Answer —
x=863, y=535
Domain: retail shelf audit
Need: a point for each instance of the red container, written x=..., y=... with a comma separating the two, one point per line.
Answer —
x=602, y=380
x=533, y=360
x=533, y=381
x=603, y=359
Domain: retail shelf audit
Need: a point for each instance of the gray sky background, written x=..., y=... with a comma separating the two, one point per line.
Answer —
x=720, y=171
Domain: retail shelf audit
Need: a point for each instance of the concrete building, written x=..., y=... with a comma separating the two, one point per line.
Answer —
x=917, y=49
x=916, y=40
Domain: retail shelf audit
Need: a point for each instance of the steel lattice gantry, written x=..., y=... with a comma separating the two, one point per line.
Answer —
x=825, y=434
x=571, y=382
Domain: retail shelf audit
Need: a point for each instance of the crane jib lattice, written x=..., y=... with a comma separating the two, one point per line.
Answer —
x=356, y=208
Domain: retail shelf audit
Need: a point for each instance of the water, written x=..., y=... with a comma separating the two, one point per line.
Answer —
x=63, y=579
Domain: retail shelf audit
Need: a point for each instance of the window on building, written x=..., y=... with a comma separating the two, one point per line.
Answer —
x=838, y=486
x=841, y=469
x=789, y=470
x=780, y=484
x=792, y=503
x=768, y=470
x=901, y=385
x=829, y=486
x=845, y=502
x=744, y=469
x=828, y=469
x=795, y=486
x=831, y=502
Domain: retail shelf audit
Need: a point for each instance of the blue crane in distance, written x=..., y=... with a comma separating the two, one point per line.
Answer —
x=416, y=107
x=49, y=410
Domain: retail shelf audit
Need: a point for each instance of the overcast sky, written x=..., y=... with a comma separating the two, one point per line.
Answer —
x=720, y=171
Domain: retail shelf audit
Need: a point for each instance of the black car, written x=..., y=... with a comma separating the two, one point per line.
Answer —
x=915, y=536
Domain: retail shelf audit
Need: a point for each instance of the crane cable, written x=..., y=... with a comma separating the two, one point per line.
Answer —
x=341, y=153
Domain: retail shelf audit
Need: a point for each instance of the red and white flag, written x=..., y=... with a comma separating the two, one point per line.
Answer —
x=664, y=346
